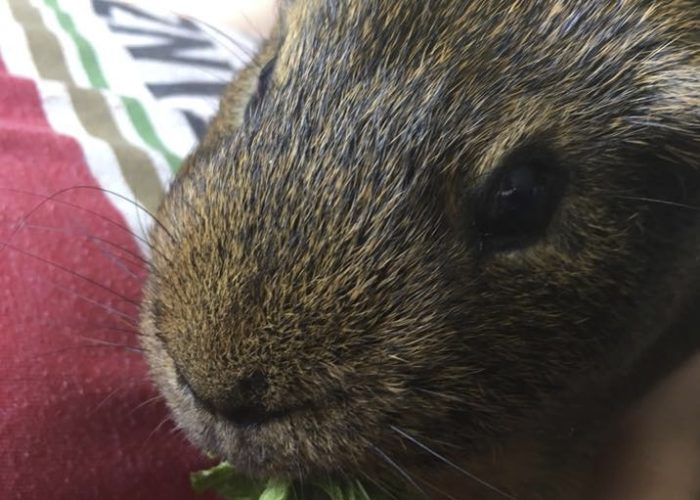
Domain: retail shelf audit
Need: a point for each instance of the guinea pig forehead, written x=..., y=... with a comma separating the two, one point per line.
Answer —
x=357, y=35
x=521, y=124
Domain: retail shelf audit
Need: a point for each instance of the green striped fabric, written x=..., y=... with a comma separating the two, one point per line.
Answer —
x=134, y=87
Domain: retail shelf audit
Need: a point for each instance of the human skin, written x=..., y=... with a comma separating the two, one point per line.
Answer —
x=656, y=452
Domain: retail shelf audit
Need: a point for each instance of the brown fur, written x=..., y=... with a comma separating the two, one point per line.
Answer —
x=326, y=239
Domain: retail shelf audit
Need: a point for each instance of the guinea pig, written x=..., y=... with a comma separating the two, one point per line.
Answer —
x=437, y=240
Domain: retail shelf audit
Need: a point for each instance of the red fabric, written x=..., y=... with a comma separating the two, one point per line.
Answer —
x=72, y=420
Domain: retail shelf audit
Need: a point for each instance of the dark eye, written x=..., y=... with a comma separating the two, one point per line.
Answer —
x=263, y=83
x=517, y=203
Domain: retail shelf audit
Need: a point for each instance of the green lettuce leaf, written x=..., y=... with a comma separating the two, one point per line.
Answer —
x=277, y=490
x=230, y=485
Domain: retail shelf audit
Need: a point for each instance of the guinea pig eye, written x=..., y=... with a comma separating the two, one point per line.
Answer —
x=517, y=204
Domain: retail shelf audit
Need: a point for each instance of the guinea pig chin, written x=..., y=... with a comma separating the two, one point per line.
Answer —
x=318, y=437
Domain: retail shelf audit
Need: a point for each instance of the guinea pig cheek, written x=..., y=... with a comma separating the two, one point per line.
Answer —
x=196, y=422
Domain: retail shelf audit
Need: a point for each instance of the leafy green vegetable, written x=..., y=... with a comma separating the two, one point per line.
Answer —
x=230, y=485
x=277, y=490
x=227, y=483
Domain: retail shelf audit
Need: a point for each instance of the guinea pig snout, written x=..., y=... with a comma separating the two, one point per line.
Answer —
x=240, y=402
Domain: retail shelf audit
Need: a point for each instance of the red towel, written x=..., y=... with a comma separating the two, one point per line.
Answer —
x=75, y=417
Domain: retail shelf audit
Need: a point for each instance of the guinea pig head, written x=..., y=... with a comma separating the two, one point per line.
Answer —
x=427, y=221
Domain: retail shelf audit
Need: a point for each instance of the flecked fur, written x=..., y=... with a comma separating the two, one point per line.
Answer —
x=325, y=237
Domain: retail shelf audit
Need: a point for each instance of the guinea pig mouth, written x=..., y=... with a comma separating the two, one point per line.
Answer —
x=255, y=416
x=293, y=442
x=251, y=412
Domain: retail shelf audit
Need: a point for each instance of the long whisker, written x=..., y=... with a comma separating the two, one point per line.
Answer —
x=149, y=401
x=71, y=272
x=452, y=464
x=94, y=327
x=667, y=203
x=445, y=397
x=130, y=331
x=126, y=319
x=70, y=349
x=437, y=490
x=297, y=466
x=404, y=474
x=85, y=234
x=177, y=431
x=211, y=27
x=115, y=260
x=259, y=34
x=120, y=262
x=250, y=54
x=105, y=400
x=91, y=327
x=107, y=191
x=77, y=207
x=377, y=483
x=106, y=343
x=156, y=429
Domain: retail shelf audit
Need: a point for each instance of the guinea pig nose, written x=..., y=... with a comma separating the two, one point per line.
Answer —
x=243, y=405
x=252, y=387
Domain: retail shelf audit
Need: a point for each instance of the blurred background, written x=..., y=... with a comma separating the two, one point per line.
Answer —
x=252, y=17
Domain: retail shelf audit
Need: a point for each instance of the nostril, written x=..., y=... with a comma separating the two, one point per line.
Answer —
x=253, y=387
x=181, y=380
x=245, y=406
